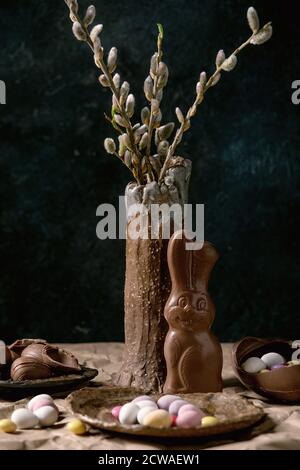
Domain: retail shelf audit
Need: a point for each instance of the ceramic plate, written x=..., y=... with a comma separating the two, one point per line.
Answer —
x=94, y=406
x=52, y=385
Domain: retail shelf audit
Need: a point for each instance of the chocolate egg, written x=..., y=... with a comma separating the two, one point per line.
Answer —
x=24, y=418
x=189, y=419
x=253, y=365
x=209, y=421
x=165, y=401
x=142, y=398
x=176, y=405
x=143, y=403
x=158, y=419
x=42, y=402
x=60, y=361
x=190, y=407
x=42, y=396
x=273, y=359
x=143, y=412
x=128, y=413
x=280, y=384
x=25, y=368
x=47, y=415
x=116, y=411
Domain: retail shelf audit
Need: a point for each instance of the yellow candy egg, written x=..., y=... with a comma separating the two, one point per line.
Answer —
x=158, y=419
x=76, y=426
x=6, y=425
x=209, y=421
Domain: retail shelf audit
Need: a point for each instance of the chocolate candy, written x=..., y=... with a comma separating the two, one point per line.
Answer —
x=116, y=411
x=128, y=413
x=253, y=365
x=209, y=421
x=24, y=418
x=7, y=425
x=143, y=412
x=176, y=405
x=165, y=401
x=142, y=398
x=42, y=396
x=143, y=403
x=158, y=419
x=76, y=426
x=47, y=415
x=189, y=418
x=26, y=368
x=190, y=407
x=272, y=359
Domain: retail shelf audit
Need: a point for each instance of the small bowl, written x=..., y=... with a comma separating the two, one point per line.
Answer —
x=280, y=384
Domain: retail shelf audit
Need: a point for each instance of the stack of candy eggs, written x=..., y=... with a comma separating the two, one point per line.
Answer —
x=41, y=411
x=167, y=411
x=266, y=363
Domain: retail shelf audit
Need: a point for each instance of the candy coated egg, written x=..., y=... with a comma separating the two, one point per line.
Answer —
x=165, y=401
x=42, y=396
x=128, y=413
x=189, y=419
x=272, y=358
x=173, y=418
x=158, y=419
x=42, y=402
x=190, y=407
x=277, y=366
x=176, y=405
x=144, y=412
x=264, y=371
x=142, y=398
x=76, y=426
x=209, y=421
x=116, y=411
x=6, y=425
x=143, y=403
x=253, y=365
x=24, y=418
x=47, y=415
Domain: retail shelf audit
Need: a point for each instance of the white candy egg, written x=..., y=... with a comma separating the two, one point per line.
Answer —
x=128, y=413
x=143, y=412
x=142, y=398
x=165, y=401
x=24, y=418
x=253, y=365
x=46, y=415
x=272, y=359
x=42, y=396
x=143, y=403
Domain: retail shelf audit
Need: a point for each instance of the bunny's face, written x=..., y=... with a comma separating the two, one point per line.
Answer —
x=189, y=311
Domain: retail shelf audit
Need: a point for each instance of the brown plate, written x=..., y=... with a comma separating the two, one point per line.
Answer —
x=52, y=385
x=94, y=406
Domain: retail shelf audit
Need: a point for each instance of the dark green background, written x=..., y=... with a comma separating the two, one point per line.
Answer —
x=57, y=279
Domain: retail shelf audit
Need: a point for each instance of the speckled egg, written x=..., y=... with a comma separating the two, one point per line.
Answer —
x=165, y=401
x=253, y=365
x=42, y=396
x=176, y=405
x=158, y=419
x=24, y=418
x=189, y=418
x=47, y=415
x=272, y=359
x=128, y=413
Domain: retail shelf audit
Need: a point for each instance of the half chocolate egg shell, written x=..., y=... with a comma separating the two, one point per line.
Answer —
x=282, y=384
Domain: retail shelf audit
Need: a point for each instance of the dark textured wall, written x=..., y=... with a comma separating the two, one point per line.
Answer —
x=57, y=279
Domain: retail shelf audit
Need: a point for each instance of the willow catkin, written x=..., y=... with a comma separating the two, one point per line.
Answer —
x=78, y=31
x=253, y=19
x=262, y=36
x=229, y=63
x=128, y=158
x=120, y=120
x=117, y=80
x=165, y=131
x=163, y=148
x=109, y=145
x=130, y=104
x=124, y=91
x=104, y=80
x=153, y=65
x=154, y=106
x=96, y=31
x=145, y=115
x=215, y=79
x=112, y=59
x=148, y=88
x=179, y=115
x=220, y=58
x=144, y=141
x=90, y=15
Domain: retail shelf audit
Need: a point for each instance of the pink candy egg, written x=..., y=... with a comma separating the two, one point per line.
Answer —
x=42, y=402
x=189, y=419
x=190, y=407
x=175, y=406
x=116, y=411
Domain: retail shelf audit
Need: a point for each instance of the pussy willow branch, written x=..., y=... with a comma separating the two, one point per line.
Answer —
x=116, y=94
x=200, y=97
x=155, y=83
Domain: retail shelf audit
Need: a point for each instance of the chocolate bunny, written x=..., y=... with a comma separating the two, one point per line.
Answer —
x=193, y=354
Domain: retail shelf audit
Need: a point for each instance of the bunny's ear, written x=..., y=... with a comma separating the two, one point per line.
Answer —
x=190, y=269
